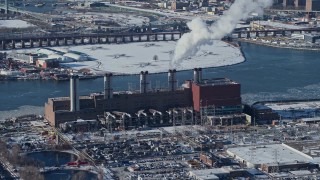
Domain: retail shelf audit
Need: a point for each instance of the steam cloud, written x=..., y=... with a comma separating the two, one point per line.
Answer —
x=190, y=43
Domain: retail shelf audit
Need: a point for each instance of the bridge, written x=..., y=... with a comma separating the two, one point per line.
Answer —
x=13, y=41
x=31, y=40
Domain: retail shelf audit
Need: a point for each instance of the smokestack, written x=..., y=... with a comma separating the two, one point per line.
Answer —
x=6, y=8
x=108, y=93
x=195, y=75
x=143, y=81
x=172, y=80
x=199, y=75
x=74, y=97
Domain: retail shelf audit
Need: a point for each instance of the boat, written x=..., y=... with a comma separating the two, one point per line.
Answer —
x=39, y=4
x=26, y=4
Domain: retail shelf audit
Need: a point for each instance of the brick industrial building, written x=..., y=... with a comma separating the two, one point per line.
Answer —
x=173, y=106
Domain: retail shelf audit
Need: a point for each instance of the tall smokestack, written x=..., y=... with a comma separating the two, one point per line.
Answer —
x=74, y=97
x=172, y=80
x=199, y=75
x=6, y=8
x=143, y=81
x=195, y=75
x=108, y=93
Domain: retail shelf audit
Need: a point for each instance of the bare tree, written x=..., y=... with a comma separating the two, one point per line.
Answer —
x=80, y=175
x=31, y=172
x=155, y=58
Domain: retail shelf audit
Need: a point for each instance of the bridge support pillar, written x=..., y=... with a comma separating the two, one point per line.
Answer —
x=107, y=39
x=239, y=34
x=57, y=42
x=172, y=37
x=99, y=40
x=156, y=37
x=22, y=44
x=40, y=42
x=90, y=40
x=139, y=38
x=257, y=34
x=274, y=33
x=248, y=34
x=82, y=40
x=131, y=38
x=265, y=34
x=164, y=37
x=3, y=45
x=73, y=41
x=123, y=39
x=65, y=40
x=31, y=43
x=13, y=43
x=115, y=39
x=180, y=34
x=148, y=37
x=283, y=33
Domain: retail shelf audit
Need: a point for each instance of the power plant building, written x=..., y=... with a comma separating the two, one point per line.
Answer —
x=173, y=106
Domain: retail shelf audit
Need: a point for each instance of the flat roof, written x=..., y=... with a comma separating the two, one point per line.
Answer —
x=269, y=154
x=209, y=173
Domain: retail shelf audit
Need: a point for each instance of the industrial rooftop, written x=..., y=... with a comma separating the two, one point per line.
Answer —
x=269, y=154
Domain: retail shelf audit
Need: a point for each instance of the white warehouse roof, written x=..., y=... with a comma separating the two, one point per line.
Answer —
x=268, y=154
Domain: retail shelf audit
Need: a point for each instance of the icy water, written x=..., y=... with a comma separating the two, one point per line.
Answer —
x=267, y=74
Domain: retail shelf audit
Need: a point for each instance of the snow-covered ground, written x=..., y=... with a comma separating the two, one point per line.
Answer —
x=121, y=19
x=169, y=13
x=280, y=25
x=154, y=57
x=292, y=110
x=294, y=105
x=14, y=24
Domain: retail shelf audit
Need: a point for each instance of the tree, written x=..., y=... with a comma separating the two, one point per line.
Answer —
x=155, y=57
x=31, y=172
x=80, y=175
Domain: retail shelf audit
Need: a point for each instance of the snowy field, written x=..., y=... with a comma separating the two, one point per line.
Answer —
x=154, y=57
x=294, y=105
x=121, y=19
x=14, y=24
x=280, y=25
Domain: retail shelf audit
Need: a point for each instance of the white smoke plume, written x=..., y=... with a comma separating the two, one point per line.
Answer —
x=189, y=44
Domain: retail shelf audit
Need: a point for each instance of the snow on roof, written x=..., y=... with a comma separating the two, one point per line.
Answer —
x=132, y=58
x=14, y=24
x=209, y=173
x=269, y=154
x=300, y=172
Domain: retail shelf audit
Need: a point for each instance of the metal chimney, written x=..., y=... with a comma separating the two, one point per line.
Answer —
x=74, y=97
x=7, y=8
x=195, y=75
x=199, y=75
x=172, y=80
x=143, y=81
x=108, y=93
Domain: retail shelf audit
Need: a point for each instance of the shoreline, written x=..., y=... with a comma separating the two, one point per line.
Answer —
x=278, y=46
